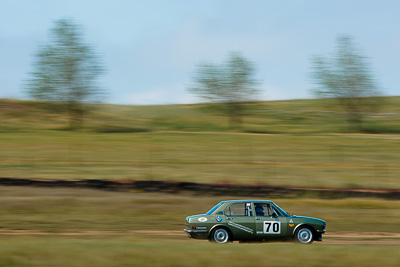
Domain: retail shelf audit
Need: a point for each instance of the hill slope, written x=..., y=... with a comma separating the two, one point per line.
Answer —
x=291, y=116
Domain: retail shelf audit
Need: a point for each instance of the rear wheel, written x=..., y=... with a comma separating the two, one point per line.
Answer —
x=304, y=235
x=220, y=235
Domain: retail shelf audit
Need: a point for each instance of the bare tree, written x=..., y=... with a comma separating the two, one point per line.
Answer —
x=66, y=71
x=230, y=86
x=347, y=78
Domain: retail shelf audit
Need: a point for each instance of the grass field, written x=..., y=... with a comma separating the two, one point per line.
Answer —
x=323, y=160
x=299, y=143
x=65, y=227
x=131, y=251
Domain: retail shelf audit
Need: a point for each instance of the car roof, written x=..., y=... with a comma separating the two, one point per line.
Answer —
x=246, y=200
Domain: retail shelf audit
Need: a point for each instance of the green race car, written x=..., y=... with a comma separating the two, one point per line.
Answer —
x=253, y=220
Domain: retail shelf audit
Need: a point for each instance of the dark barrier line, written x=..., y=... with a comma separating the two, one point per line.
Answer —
x=206, y=189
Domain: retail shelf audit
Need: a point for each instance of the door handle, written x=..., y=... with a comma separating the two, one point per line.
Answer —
x=229, y=218
x=258, y=219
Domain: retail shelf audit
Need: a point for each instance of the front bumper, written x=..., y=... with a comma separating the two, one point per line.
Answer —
x=197, y=234
x=318, y=236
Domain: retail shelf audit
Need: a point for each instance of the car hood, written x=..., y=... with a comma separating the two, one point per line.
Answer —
x=195, y=216
x=308, y=218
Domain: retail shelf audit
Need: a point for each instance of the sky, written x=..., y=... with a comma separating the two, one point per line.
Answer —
x=150, y=48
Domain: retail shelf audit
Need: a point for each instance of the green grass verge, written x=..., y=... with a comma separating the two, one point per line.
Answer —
x=71, y=252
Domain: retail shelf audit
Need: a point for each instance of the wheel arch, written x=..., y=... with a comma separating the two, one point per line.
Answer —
x=220, y=226
x=303, y=225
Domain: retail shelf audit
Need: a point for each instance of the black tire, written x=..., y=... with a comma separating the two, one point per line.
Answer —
x=220, y=235
x=304, y=235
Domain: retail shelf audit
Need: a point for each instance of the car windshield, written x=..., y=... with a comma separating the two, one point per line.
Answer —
x=281, y=210
x=213, y=209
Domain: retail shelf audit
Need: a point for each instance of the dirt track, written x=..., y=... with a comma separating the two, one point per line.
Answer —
x=345, y=238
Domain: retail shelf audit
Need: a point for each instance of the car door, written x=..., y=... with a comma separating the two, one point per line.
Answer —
x=240, y=219
x=270, y=223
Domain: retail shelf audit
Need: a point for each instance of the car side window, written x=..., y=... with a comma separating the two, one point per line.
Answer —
x=264, y=209
x=238, y=209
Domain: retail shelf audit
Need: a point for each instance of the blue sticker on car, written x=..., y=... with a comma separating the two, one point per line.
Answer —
x=218, y=219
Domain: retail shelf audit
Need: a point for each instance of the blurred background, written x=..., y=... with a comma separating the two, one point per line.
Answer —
x=297, y=94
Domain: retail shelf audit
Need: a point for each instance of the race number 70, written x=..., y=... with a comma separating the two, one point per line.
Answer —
x=272, y=227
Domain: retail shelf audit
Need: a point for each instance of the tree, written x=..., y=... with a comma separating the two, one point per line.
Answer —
x=347, y=78
x=66, y=71
x=230, y=86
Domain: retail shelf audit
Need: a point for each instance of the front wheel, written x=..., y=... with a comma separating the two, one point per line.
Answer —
x=304, y=235
x=220, y=235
